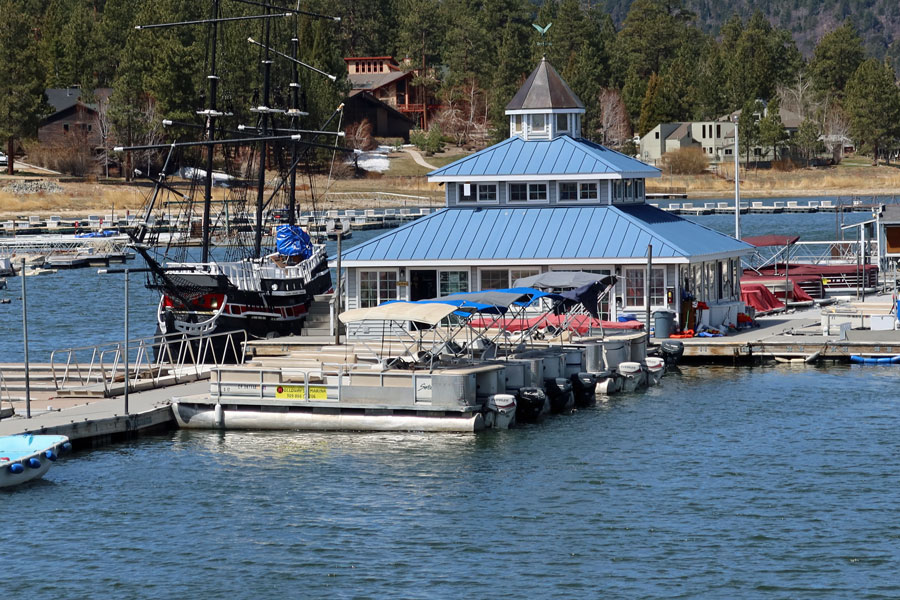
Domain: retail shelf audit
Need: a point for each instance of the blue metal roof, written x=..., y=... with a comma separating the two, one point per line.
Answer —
x=560, y=156
x=559, y=232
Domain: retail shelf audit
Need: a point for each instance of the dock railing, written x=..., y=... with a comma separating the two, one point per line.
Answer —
x=158, y=360
x=839, y=252
x=381, y=199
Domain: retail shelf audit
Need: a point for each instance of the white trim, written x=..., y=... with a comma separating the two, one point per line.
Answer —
x=441, y=263
x=529, y=201
x=510, y=178
x=546, y=111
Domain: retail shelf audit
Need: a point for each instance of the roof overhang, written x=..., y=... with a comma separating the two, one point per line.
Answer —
x=546, y=111
x=545, y=177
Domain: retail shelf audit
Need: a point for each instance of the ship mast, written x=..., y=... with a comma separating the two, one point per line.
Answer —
x=211, y=115
x=263, y=131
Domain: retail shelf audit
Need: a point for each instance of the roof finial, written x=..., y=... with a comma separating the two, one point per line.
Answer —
x=543, y=32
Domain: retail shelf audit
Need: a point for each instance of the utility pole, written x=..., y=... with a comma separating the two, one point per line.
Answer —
x=737, y=184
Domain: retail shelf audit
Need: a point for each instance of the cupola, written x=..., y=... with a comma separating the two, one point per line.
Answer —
x=545, y=107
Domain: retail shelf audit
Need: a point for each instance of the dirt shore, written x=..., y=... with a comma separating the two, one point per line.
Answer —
x=80, y=197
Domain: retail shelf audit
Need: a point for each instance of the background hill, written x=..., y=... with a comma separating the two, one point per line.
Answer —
x=877, y=21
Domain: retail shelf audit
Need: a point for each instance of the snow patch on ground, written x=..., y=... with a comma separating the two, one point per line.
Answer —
x=374, y=160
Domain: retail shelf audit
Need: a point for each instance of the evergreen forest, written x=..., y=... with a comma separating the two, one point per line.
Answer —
x=633, y=63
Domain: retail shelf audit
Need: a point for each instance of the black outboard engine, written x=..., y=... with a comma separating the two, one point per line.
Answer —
x=559, y=391
x=671, y=351
x=584, y=386
x=530, y=403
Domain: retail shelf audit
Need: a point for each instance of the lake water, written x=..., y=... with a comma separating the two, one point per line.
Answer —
x=721, y=483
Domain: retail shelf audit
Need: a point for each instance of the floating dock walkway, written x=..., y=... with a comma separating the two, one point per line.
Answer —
x=763, y=207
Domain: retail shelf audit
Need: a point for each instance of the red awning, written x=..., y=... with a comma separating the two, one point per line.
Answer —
x=761, y=241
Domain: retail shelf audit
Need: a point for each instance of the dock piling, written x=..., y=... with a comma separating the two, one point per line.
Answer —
x=25, y=340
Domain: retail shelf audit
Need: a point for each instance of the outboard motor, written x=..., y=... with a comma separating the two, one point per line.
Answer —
x=607, y=383
x=671, y=351
x=531, y=403
x=584, y=387
x=559, y=392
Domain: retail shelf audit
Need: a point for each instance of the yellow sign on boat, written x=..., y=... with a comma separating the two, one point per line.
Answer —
x=298, y=392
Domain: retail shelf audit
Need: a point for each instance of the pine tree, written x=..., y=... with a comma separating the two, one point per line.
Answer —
x=771, y=129
x=748, y=127
x=650, y=116
x=873, y=106
x=22, y=101
x=838, y=54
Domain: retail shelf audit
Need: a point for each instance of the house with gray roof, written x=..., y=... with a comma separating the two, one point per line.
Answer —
x=75, y=117
x=547, y=199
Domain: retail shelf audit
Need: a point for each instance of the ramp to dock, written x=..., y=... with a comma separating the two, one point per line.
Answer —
x=100, y=421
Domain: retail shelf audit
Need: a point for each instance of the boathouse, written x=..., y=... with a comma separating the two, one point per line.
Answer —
x=548, y=199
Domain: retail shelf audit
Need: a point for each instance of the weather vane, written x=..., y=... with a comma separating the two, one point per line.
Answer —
x=543, y=32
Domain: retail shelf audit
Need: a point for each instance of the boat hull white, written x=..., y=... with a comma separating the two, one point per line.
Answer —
x=192, y=416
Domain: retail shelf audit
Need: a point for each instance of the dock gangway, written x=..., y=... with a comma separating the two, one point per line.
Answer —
x=159, y=360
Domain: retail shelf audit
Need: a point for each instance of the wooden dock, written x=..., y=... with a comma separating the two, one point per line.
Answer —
x=90, y=423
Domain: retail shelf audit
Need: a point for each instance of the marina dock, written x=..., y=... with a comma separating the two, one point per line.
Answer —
x=92, y=419
x=759, y=207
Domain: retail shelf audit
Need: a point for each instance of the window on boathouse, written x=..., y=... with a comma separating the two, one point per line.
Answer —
x=634, y=286
x=528, y=192
x=487, y=192
x=453, y=282
x=493, y=279
x=568, y=191
x=587, y=191
x=376, y=287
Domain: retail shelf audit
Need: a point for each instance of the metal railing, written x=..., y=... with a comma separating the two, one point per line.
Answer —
x=4, y=392
x=177, y=357
x=841, y=252
x=383, y=199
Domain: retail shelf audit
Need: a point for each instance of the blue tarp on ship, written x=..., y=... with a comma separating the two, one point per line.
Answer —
x=291, y=240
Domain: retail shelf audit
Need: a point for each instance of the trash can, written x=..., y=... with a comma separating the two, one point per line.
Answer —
x=663, y=323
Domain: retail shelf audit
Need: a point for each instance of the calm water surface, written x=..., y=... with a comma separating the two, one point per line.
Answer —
x=722, y=483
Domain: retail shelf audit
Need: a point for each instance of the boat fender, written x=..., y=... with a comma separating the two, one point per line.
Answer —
x=16, y=468
x=65, y=448
x=50, y=454
x=34, y=463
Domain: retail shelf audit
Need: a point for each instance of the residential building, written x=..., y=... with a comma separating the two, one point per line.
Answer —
x=386, y=80
x=74, y=119
x=714, y=138
x=547, y=199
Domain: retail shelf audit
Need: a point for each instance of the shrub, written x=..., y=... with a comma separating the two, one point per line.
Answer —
x=685, y=161
x=785, y=164
x=431, y=141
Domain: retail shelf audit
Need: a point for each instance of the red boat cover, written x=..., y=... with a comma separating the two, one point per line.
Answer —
x=798, y=294
x=759, y=297
x=579, y=323
x=762, y=241
x=823, y=270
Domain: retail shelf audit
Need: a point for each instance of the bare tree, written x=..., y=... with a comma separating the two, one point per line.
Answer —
x=835, y=131
x=798, y=97
x=359, y=136
x=104, y=126
x=614, y=122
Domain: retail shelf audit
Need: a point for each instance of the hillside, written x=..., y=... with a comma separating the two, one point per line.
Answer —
x=878, y=21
